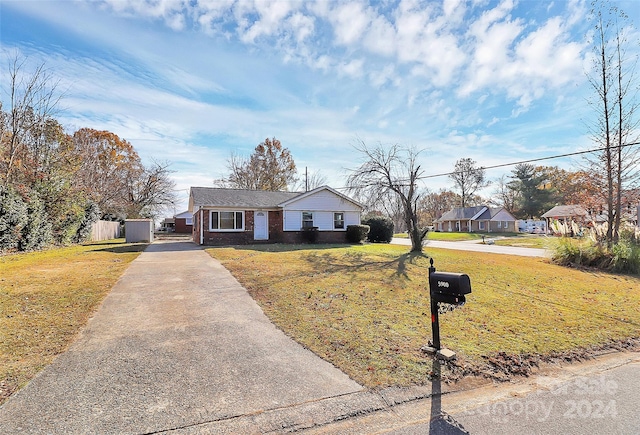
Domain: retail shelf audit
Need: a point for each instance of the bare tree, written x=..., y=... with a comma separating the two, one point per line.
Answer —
x=33, y=99
x=392, y=171
x=152, y=191
x=309, y=181
x=505, y=195
x=613, y=79
x=468, y=179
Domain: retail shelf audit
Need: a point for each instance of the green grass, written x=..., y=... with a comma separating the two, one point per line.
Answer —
x=453, y=237
x=46, y=297
x=366, y=308
x=526, y=241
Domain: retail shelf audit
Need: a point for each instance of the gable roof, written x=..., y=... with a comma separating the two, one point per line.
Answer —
x=478, y=213
x=460, y=213
x=316, y=190
x=561, y=211
x=240, y=198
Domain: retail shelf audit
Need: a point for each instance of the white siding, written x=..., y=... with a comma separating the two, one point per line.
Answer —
x=323, y=220
x=292, y=220
x=351, y=218
x=323, y=204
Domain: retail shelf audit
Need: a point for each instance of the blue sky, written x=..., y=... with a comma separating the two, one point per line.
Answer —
x=192, y=81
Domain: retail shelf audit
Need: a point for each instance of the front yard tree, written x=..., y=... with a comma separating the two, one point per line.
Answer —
x=616, y=105
x=434, y=204
x=534, y=194
x=270, y=167
x=505, y=194
x=468, y=179
x=107, y=167
x=392, y=171
x=151, y=192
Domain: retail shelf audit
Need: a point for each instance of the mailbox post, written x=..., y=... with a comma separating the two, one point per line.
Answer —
x=449, y=288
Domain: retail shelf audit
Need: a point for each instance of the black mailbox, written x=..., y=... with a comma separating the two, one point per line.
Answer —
x=447, y=283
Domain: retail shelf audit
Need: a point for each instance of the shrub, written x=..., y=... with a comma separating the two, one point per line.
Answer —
x=381, y=229
x=13, y=218
x=37, y=233
x=310, y=234
x=357, y=233
x=91, y=216
x=623, y=257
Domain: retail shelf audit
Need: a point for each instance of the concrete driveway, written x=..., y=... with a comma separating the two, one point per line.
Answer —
x=179, y=345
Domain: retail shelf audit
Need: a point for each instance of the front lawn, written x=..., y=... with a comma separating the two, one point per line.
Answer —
x=366, y=308
x=46, y=297
x=527, y=241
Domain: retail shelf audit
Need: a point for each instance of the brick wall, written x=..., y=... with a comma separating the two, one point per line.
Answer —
x=276, y=234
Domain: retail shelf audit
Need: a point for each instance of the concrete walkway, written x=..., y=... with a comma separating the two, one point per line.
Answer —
x=178, y=345
x=475, y=246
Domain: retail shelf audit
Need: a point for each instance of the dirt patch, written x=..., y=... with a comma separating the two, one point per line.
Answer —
x=504, y=367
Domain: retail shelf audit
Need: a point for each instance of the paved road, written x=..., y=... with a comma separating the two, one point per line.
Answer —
x=599, y=396
x=602, y=403
x=477, y=247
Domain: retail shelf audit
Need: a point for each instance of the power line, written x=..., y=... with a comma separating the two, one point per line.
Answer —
x=502, y=165
x=540, y=159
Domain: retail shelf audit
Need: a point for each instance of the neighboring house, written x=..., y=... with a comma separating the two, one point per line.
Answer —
x=477, y=219
x=582, y=216
x=235, y=216
x=564, y=213
x=184, y=222
x=168, y=225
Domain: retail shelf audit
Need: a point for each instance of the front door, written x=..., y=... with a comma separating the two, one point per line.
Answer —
x=260, y=227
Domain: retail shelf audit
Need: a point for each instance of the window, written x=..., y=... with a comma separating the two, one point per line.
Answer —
x=227, y=221
x=481, y=225
x=338, y=221
x=307, y=219
x=499, y=224
x=505, y=225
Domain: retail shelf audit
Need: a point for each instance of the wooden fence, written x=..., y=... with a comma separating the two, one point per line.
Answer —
x=105, y=230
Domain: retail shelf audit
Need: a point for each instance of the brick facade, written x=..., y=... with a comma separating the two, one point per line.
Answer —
x=276, y=232
x=182, y=227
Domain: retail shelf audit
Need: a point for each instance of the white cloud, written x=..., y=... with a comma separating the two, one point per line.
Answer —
x=271, y=17
x=350, y=21
x=381, y=37
x=352, y=69
x=379, y=78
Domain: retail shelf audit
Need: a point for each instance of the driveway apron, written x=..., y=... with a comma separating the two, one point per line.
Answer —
x=176, y=344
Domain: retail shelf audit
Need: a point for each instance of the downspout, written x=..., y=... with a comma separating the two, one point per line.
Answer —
x=201, y=226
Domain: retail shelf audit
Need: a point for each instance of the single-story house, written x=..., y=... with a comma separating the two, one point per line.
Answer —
x=582, y=216
x=184, y=222
x=168, y=225
x=236, y=216
x=565, y=213
x=477, y=219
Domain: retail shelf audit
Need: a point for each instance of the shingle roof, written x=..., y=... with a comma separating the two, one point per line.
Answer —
x=560, y=211
x=461, y=213
x=469, y=212
x=219, y=197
